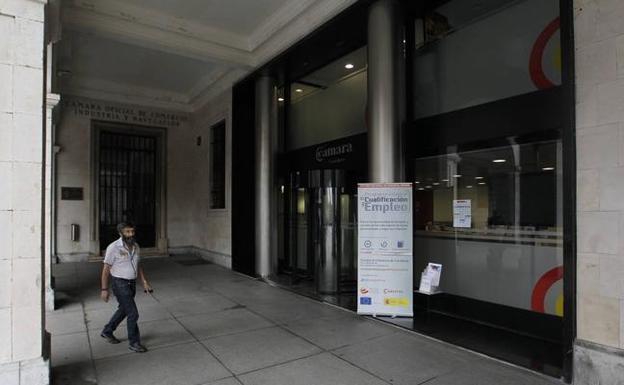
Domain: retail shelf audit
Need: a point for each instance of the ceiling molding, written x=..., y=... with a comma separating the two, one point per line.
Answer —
x=277, y=21
x=116, y=92
x=315, y=16
x=161, y=20
x=154, y=38
x=217, y=88
x=236, y=55
x=206, y=81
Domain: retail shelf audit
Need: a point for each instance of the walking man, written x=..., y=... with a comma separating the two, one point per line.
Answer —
x=121, y=262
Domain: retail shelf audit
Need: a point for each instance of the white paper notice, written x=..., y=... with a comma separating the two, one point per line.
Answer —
x=425, y=283
x=462, y=213
x=430, y=278
x=385, y=282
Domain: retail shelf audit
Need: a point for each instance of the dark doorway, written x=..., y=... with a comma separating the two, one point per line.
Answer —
x=127, y=172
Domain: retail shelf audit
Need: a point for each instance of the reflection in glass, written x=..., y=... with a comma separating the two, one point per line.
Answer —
x=515, y=234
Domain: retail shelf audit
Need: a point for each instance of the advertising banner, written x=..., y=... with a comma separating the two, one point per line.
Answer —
x=385, y=249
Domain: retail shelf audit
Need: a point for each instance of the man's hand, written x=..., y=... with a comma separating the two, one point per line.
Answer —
x=146, y=286
x=104, y=295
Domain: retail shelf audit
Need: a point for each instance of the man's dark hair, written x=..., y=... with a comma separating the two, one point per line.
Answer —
x=125, y=225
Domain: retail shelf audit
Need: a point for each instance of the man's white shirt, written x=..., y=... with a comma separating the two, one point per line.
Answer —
x=124, y=262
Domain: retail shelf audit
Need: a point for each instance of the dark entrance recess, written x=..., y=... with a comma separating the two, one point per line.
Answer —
x=343, y=34
x=128, y=169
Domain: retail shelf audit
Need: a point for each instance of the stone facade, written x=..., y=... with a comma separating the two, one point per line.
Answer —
x=599, y=45
x=190, y=223
x=23, y=356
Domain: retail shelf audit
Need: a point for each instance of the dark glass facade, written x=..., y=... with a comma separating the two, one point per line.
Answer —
x=486, y=119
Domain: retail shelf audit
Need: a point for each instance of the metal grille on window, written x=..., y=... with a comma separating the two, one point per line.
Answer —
x=217, y=176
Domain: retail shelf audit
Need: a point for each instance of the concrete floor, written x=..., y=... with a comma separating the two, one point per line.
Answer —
x=207, y=325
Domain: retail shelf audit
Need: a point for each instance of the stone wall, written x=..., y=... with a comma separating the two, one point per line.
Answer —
x=74, y=163
x=190, y=224
x=599, y=44
x=22, y=336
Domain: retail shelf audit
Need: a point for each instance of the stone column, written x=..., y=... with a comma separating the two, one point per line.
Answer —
x=384, y=55
x=23, y=357
x=53, y=21
x=599, y=77
x=52, y=101
x=266, y=144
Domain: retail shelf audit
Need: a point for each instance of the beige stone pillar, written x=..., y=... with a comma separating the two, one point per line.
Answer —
x=22, y=353
x=599, y=62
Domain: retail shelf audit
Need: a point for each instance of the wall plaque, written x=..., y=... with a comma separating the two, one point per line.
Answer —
x=71, y=193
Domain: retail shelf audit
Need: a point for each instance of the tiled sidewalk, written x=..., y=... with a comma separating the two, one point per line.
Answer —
x=207, y=325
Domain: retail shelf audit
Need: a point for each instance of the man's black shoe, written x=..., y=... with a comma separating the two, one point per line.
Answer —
x=137, y=348
x=110, y=338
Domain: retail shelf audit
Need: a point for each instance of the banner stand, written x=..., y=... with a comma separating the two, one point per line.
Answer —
x=385, y=250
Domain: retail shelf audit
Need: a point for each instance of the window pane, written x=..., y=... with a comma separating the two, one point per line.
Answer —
x=473, y=52
x=514, y=235
x=217, y=176
x=330, y=103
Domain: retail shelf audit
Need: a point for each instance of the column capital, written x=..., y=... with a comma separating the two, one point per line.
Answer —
x=52, y=100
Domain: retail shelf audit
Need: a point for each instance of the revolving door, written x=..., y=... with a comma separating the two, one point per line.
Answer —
x=321, y=224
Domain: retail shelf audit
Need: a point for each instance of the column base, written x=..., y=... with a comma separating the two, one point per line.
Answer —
x=597, y=364
x=32, y=372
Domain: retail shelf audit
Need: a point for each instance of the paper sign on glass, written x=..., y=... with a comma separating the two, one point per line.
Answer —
x=462, y=213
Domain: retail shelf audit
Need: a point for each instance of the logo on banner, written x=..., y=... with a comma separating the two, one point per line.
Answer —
x=402, y=302
x=392, y=291
x=366, y=301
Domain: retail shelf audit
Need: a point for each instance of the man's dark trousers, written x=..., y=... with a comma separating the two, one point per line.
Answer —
x=124, y=291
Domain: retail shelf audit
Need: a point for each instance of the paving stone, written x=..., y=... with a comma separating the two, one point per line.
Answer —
x=402, y=358
x=222, y=323
x=58, y=323
x=154, y=334
x=187, y=364
x=342, y=330
x=70, y=349
x=187, y=306
x=244, y=352
x=323, y=369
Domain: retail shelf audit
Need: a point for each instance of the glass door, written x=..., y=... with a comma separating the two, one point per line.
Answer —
x=321, y=231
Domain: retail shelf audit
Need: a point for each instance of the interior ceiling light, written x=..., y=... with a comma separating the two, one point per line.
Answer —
x=499, y=160
x=457, y=176
x=349, y=66
x=436, y=183
x=280, y=99
x=417, y=182
x=481, y=182
x=298, y=90
x=427, y=186
x=420, y=189
x=444, y=180
x=478, y=177
x=468, y=186
x=548, y=168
